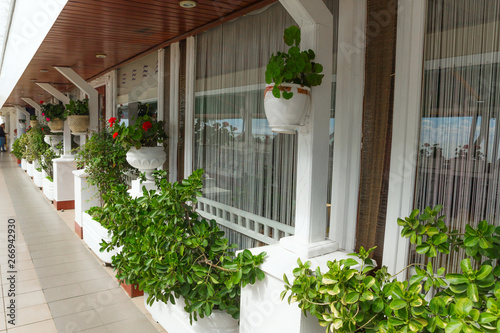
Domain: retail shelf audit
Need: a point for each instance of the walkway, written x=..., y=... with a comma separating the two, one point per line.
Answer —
x=60, y=286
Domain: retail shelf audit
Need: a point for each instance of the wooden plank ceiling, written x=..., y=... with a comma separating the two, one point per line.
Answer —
x=124, y=30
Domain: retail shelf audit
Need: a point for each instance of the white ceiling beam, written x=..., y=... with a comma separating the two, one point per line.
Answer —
x=54, y=92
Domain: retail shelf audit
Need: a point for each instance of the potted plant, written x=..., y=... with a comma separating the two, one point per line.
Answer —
x=175, y=255
x=35, y=147
x=77, y=113
x=33, y=120
x=19, y=149
x=141, y=138
x=48, y=171
x=22, y=123
x=352, y=297
x=54, y=114
x=289, y=76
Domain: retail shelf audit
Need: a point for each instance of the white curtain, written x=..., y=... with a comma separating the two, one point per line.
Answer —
x=458, y=163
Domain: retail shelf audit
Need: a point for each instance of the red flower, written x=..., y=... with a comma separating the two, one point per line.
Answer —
x=42, y=129
x=111, y=121
x=466, y=147
x=225, y=124
x=41, y=102
x=115, y=135
x=48, y=119
x=146, y=125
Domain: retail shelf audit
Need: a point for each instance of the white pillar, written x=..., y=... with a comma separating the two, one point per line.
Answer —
x=348, y=122
x=173, y=121
x=405, y=132
x=22, y=114
x=190, y=103
x=161, y=85
x=316, y=23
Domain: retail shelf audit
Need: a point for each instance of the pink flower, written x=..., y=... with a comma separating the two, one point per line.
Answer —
x=43, y=113
x=48, y=119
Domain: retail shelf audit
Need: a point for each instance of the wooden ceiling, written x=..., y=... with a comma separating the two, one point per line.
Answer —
x=124, y=30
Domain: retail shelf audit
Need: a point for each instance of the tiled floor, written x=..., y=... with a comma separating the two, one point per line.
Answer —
x=60, y=285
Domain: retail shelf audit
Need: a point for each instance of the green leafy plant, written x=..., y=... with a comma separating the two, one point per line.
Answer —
x=19, y=146
x=46, y=161
x=33, y=117
x=352, y=297
x=104, y=161
x=170, y=251
x=52, y=111
x=22, y=121
x=144, y=132
x=294, y=66
x=77, y=108
x=35, y=146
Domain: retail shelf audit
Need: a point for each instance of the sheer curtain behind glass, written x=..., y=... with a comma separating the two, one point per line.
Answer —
x=248, y=167
x=460, y=134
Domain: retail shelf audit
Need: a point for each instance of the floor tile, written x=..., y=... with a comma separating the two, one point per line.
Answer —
x=32, y=314
x=78, y=322
x=30, y=299
x=46, y=326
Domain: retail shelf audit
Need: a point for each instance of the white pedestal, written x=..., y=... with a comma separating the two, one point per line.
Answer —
x=136, y=190
x=64, y=184
x=93, y=234
x=86, y=196
x=262, y=310
x=174, y=319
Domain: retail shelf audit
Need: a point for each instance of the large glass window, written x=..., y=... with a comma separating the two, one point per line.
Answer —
x=458, y=164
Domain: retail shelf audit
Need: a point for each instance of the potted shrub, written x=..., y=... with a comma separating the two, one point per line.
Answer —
x=352, y=297
x=22, y=123
x=289, y=76
x=19, y=149
x=77, y=113
x=48, y=171
x=33, y=120
x=141, y=138
x=54, y=114
x=175, y=255
x=35, y=147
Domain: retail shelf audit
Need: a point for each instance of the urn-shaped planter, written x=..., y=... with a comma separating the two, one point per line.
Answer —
x=53, y=140
x=33, y=123
x=173, y=318
x=78, y=124
x=146, y=159
x=56, y=125
x=286, y=115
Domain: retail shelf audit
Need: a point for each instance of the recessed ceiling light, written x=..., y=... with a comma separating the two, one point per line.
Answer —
x=100, y=56
x=33, y=80
x=188, y=3
x=44, y=70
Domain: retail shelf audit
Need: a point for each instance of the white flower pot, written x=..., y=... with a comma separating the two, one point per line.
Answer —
x=22, y=125
x=146, y=159
x=48, y=188
x=53, y=140
x=37, y=175
x=29, y=169
x=24, y=164
x=284, y=116
x=93, y=235
x=173, y=318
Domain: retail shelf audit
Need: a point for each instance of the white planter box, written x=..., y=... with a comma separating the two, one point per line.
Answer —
x=93, y=234
x=174, y=319
x=24, y=164
x=29, y=169
x=37, y=176
x=48, y=188
x=85, y=195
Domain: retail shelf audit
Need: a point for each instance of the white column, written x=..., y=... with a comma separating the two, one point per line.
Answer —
x=173, y=121
x=111, y=93
x=316, y=23
x=65, y=100
x=348, y=122
x=190, y=90
x=405, y=132
x=22, y=114
x=161, y=85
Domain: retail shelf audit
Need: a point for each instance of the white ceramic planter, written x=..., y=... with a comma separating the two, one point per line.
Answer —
x=53, y=140
x=48, y=188
x=285, y=116
x=146, y=159
x=29, y=169
x=24, y=164
x=22, y=125
x=93, y=234
x=86, y=196
x=173, y=318
x=38, y=177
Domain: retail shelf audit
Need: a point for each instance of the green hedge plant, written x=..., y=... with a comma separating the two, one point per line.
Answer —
x=352, y=297
x=170, y=251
